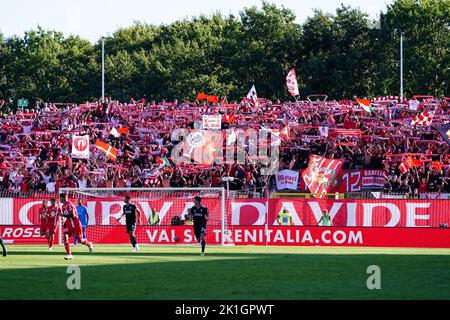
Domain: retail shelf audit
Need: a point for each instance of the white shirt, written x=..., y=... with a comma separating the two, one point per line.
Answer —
x=82, y=184
x=51, y=187
x=46, y=178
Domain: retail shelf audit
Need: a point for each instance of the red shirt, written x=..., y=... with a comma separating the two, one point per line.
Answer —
x=43, y=216
x=68, y=210
x=349, y=124
x=422, y=187
x=71, y=184
x=215, y=181
x=53, y=216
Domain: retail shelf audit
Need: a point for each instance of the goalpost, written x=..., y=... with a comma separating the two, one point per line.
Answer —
x=104, y=206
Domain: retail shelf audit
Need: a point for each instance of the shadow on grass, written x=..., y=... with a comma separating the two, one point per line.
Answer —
x=252, y=276
x=150, y=254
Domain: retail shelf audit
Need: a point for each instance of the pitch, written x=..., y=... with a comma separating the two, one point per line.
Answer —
x=180, y=273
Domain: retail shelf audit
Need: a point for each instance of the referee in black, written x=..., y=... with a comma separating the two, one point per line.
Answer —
x=200, y=217
x=130, y=211
x=3, y=247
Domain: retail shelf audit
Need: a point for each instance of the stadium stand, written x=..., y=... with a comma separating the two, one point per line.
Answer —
x=35, y=143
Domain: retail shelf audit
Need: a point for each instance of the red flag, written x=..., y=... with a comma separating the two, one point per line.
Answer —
x=285, y=133
x=436, y=165
x=417, y=162
x=407, y=164
x=321, y=174
x=291, y=83
x=123, y=131
x=203, y=147
x=108, y=150
x=213, y=99
x=229, y=119
x=202, y=96
x=404, y=168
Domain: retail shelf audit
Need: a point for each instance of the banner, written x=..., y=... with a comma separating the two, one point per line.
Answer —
x=364, y=213
x=321, y=175
x=355, y=181
x=274, y=236
x=287, y=179
x=248, y=212
x=413, y=105
x=213, y=122
x=80, y=147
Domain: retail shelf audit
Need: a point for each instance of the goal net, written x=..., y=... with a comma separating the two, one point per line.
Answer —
x=164, y=214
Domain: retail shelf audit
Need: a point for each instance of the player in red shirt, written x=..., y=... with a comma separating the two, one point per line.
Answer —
x=43, y=218
x=53, y=216
x=45, y=230
x=72, y=225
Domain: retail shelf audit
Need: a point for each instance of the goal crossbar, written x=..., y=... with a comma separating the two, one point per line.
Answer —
x=97, y=193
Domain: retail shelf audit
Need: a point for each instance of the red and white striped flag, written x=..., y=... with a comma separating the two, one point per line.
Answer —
x=108, y=150
x=424, y=119
x=292, y=84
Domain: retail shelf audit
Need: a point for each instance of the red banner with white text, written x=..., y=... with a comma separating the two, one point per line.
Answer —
x=249, y=212
x=364, y=213
x=253, y=235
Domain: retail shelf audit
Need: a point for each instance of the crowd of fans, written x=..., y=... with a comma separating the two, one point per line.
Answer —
x=36, y=143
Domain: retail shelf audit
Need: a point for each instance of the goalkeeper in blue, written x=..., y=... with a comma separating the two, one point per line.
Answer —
x=3, y=247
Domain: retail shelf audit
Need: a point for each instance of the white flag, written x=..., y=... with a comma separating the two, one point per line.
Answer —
x=291, y=83
x=253, y=96
x=80, y=147
x=324, y=131
x=114, y=132
x=413, y=105
x=231, y=139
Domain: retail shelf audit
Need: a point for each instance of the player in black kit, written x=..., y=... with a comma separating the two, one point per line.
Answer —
x=199, y=214
x=3, y=247
x=130, y=211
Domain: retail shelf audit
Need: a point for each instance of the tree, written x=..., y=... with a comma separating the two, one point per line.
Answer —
x=336, y=54
x=426, y=47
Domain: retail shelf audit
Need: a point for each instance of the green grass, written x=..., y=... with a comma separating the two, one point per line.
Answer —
x=180, y=273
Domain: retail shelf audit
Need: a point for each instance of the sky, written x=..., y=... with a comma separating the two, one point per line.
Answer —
x=92, y=19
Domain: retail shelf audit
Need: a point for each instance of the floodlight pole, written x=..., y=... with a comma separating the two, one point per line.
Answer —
x=103, y=69
x=401, y=66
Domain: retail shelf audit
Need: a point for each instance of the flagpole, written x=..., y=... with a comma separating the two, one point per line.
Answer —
x=298, y=106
